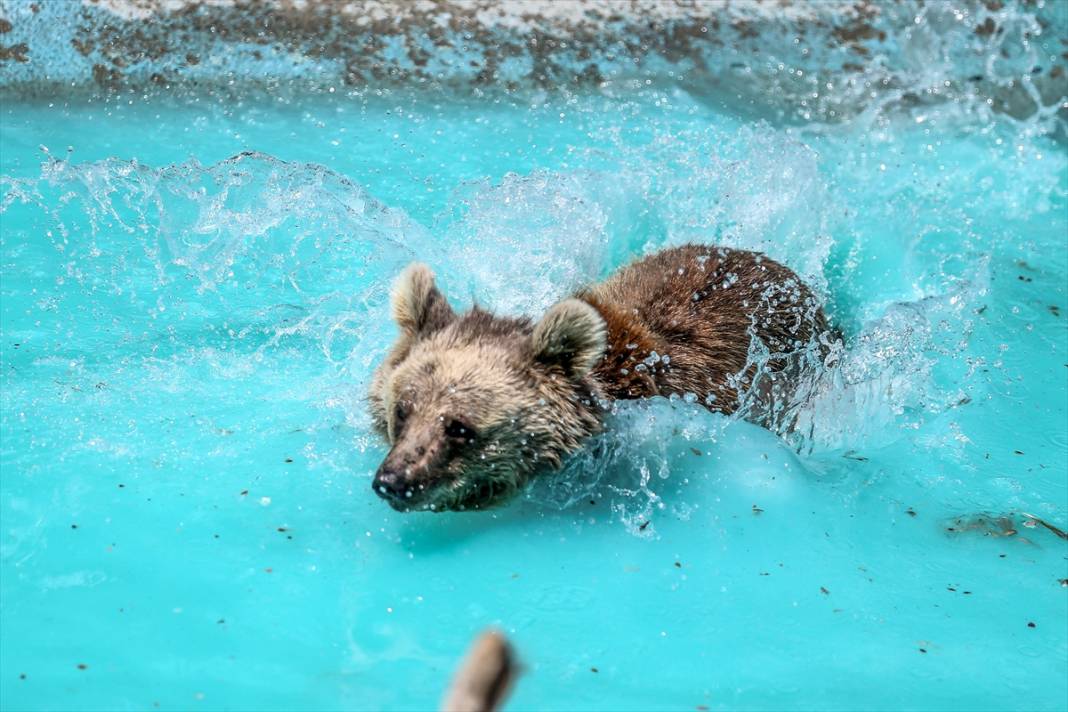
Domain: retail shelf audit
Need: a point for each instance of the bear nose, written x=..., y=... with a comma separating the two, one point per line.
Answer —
x=390, y=484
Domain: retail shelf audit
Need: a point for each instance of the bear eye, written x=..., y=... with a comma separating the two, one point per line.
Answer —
x=400, y=414
x=458, y=430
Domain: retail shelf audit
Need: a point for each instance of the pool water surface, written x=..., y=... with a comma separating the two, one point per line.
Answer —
x=194, y=295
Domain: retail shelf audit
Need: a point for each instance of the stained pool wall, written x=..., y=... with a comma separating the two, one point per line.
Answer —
x=823, y=61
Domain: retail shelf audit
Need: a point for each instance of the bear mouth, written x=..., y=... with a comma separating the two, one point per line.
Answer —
x=486, y=494
x=457, y=496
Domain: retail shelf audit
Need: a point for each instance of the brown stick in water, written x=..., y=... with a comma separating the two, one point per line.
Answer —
x=485, y=677
x=1056, y=530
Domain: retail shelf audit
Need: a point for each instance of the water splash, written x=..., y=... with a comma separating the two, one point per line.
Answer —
x=547, y=232
x=635, y=464
x=222, y=268
x=260, y=248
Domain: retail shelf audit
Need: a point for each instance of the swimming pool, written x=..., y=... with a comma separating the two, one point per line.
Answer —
x=193, y=297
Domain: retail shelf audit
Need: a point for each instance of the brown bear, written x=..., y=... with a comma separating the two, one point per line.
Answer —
x=473, y=404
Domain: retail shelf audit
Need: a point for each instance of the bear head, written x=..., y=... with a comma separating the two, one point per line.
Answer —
x=473, y=404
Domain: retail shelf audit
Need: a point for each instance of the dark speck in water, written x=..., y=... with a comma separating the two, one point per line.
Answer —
x=824, y=591
x=678, y=564
x=923, y=650
x=695, y=451
x=220, y=621
x=73, y=526
x=643, y=525
x=911, y=512
x=281, y=529
x=593, y=669
x=1018, y=452
x=1054, y=310
x=289, y=459
x=83, y=666
x=1024, y=278
x=852, y=455
x=757, y=510
x=1031, y=624
x=244, y=492
x=121, y=486
x=593, y=501
x=22, y=676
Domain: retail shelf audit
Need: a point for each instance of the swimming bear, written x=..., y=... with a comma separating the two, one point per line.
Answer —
x=474, y=404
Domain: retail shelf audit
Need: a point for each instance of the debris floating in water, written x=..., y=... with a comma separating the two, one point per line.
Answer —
x=1036, y=520
x=1001, y=525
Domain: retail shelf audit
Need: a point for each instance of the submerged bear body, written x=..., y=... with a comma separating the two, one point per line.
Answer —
x=474, y=404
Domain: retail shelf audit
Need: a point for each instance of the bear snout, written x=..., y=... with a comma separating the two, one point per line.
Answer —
x=390, y=484
x=410, y=472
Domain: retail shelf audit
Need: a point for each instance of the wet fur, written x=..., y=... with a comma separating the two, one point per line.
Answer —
x=697, y=304
x=530, y=393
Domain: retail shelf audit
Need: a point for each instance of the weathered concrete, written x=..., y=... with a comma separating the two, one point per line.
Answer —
x=812, y=60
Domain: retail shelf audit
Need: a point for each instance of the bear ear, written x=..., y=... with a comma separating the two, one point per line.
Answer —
x=419, y=307
x=571, y=335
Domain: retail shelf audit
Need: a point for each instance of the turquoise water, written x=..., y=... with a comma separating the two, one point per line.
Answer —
x=187, y=518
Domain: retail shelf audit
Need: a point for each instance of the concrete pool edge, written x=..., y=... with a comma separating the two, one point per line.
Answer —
x=809, y=61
